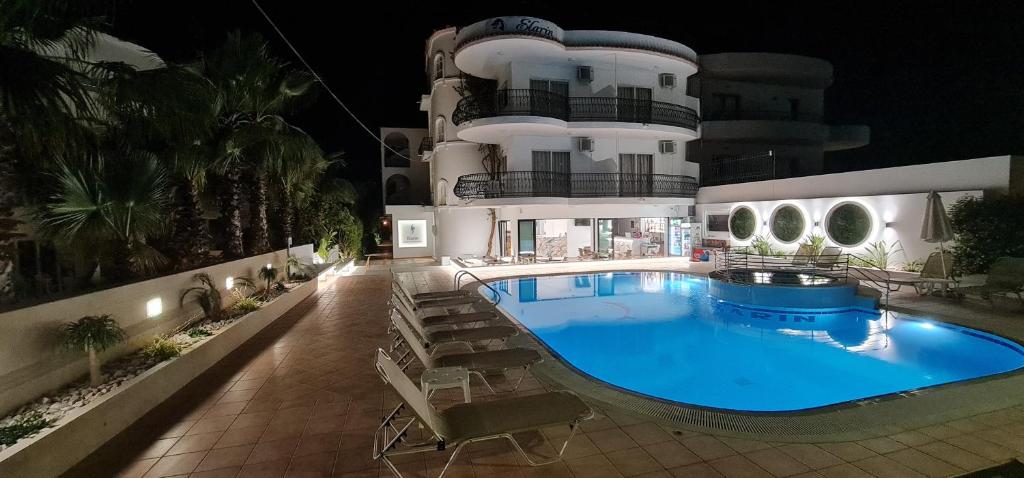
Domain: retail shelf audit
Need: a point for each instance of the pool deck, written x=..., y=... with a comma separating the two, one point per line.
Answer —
x=302, y=399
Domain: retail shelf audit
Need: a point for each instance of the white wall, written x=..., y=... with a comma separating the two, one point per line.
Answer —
x=405, y=213
x=31, y=359
x=607, y=78
x=903, y=212
x=418, y=171
x=462, y=231
x=603, y=159
x=999, y=173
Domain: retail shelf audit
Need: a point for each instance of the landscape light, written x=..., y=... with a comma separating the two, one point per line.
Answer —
x=270, y=266
x=154, y=307
x=229, y=283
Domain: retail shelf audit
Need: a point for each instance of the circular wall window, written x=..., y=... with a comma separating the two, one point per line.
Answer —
x=787, y=224
x=848, y=224
x=742, y=223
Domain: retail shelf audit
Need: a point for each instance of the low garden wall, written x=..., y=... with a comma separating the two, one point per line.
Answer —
x=31, y=359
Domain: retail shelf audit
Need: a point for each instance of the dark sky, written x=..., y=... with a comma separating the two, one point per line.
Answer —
x=939, y=81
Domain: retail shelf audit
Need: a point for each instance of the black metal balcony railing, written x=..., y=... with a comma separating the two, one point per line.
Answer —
x=733, y=115
x=741, y=169
x=516, y=184
x=553, y=105
x=427, y=144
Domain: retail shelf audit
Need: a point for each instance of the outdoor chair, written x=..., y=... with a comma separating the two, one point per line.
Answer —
x=427, y=296
x=443, y=335
x=466, y=423
x=460, y=300
x=829, y=258
x=803, y=256
x=477, y=363
x=937, y=270
x=450, y=319
x=1006, y=276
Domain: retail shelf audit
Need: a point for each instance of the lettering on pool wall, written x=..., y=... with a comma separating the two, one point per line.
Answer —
x=772, y=316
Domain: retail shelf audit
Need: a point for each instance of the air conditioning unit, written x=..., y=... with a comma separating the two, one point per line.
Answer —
x=585, y=74
x=667, y=80
x=667, y=147
x=585, y=144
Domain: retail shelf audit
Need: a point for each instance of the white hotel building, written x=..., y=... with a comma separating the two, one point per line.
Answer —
x=588, y=134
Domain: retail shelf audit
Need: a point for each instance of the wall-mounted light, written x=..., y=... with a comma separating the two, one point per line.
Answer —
x=154, y=307
x=229, y=283
x=270, y=266
x=889, y=224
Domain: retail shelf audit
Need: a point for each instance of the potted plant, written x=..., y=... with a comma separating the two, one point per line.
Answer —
x=93, y=334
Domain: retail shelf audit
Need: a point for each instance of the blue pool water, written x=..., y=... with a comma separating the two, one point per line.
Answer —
x=662, y=335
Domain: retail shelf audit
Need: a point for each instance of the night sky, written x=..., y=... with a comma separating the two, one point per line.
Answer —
x=934, y=84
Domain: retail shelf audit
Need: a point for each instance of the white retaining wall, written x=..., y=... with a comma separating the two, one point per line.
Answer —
x=32, y=361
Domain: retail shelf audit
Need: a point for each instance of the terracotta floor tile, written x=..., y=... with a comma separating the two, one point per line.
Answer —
x=269, y=469
x=594, y=466
x=845, y=470
x=324, y=442
x=737, y=466
x=982, y=447
x=611, y=440
x=955, y=455
x=211, y=424
x=848, y=451
x=175, y=465
x=273, y=451
x=229, y=472
x=699, y=470
x=158, y=448
x=314, y=465
x=193, y=443
x=646, y=433
x=633, y=461
x=225, y=457
x=811, y=455
x=137, y=469
x=707, y=447
x=776, y=462
x=912, y=438
x=671, y=454
x=923, y=463
x=882, y=445
x=884, y=467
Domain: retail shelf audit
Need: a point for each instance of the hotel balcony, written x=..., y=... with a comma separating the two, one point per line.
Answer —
x=489, y=117
x=527, y=184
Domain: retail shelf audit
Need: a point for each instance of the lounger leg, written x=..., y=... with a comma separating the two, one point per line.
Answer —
x=451, y=460
x=489, y=387
x=561, y=450
x=520, y=381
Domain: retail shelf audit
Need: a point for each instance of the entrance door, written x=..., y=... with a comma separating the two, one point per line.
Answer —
x=635, y=175
x=634, y=104
x=605, y=233
x=527, y=236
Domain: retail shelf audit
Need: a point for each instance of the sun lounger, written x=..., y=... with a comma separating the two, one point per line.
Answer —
x=478, y=363
x=449, y=319
x=803, y=256
x=437, y=302
x=468, y=422
x=829, y=258
x=937, y=270
x=1006, y=276
x=466, y=337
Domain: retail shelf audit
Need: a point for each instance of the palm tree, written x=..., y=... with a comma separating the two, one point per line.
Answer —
x=45, y=100
x=93, y=335
x=255, y=90
x=110, y=210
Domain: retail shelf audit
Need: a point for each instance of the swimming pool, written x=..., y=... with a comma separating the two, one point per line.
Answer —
x=662, y=335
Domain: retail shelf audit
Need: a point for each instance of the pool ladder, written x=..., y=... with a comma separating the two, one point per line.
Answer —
x=457, y=284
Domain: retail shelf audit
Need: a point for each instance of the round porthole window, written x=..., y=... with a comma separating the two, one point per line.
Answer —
x=848, y=224
x=787, y=224
x=742, y=223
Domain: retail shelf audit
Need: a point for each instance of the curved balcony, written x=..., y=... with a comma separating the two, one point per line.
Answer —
x=527, y=184
x=540, y=103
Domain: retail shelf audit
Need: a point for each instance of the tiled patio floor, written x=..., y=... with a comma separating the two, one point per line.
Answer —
x=302, y=399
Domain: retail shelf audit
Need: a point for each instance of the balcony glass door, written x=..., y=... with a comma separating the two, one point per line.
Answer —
x=634, y=104
x=605, y=233
x=550, y=174
x=549, y=98
x=635, y=175
x=505, y=238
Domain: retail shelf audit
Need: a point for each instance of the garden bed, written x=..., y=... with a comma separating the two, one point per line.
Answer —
x=84, y=418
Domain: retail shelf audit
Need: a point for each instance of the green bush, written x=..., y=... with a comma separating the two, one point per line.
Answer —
x=742, y=223
x=986, y=229
x=763, y=247
x=849, y=224
x=814, y=244
x=22, y=428
x=161, y=349
x=787, y=223
x=247, y=304
x=197, y=333
x=913, y=266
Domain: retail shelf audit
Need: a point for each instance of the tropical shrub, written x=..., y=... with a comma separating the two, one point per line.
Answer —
x=879, y=255
x=268, y=274
x=787, y=223
x=161, y=349
x=913, y=266
x=207, y=296
x=93, y=334
x=324, y=245
x=762, y=246
x=814, y=244
x=247, y=304
x=242, y=287
x=986, y=229
x=25, y=426
x=742, y=223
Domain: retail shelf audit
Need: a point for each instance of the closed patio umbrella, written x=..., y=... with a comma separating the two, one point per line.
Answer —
x=936, y=226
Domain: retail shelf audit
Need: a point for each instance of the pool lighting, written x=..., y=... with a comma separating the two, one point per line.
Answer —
x=927, y=325
x=154, y=307
x=229, y=283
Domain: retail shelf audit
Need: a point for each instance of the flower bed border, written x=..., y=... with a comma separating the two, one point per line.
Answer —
x=85, y=429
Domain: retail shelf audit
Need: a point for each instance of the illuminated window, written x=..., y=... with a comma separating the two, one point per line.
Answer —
x=848, y=224
x=787, y=223
x=742, y=223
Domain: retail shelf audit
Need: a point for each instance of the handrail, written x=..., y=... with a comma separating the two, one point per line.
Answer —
x=745, y=267
x=456, y=284
x=876, y=276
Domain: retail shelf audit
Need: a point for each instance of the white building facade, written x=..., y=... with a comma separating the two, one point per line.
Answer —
x=564, y=142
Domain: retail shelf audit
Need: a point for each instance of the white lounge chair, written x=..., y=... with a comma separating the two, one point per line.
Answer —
x=468, y=422
x=478, y=363
x=441, y=335
x=933, y=273
x=443, y=302
x=466, y=318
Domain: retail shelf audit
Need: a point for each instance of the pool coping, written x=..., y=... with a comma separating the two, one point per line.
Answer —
x=852, y=420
